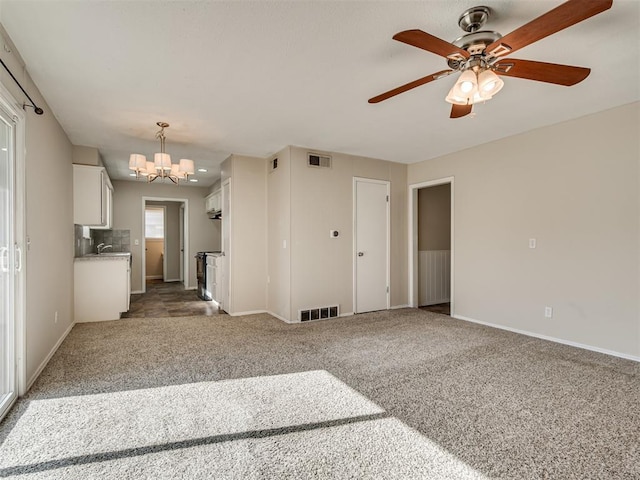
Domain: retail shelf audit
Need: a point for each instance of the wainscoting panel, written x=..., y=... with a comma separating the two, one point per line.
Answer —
x=434, y=277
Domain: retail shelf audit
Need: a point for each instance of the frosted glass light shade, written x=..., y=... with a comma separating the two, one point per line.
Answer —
x=187, y=166
x=162, y=161
x=465, y=89
x=137, y=162
x=489, y=84
x=471, y=88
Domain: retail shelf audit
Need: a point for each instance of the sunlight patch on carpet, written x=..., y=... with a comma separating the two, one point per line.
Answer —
x=300, y=425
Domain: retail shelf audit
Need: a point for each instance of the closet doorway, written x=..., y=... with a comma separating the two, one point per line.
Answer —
x=431, y=246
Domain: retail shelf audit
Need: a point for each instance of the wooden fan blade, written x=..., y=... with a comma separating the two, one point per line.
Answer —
x=410, y=85
x=425, y=41
x=561, y=17
x=458, y=111
x=541, y=71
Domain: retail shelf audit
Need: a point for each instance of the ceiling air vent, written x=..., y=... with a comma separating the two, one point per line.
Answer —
x=319, y=161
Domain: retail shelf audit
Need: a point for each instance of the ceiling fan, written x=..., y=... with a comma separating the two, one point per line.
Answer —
x=477, y=55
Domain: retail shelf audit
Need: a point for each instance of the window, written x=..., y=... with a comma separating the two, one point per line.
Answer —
x=154, y=223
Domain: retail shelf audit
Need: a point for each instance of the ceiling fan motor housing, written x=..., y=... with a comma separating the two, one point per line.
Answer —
x=474, y=43
x=474, y=18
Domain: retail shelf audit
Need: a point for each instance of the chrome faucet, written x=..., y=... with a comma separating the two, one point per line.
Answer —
x=102, y=247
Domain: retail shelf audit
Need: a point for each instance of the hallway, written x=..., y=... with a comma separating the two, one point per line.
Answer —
x=168, y=299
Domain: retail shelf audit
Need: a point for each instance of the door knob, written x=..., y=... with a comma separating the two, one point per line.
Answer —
x=360, y=254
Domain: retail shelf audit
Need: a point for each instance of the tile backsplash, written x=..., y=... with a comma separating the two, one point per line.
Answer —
x=120, y=240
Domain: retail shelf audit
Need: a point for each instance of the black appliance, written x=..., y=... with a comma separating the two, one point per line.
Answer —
x=201, y=275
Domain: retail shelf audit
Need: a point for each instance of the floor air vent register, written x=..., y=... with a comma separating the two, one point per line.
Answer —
x=320, y=313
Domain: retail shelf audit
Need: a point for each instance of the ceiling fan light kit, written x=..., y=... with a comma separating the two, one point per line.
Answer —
x=477, y=54
x=161, y=167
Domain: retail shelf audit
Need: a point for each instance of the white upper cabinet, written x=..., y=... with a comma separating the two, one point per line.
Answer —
x=92, y=197
x=213, y=201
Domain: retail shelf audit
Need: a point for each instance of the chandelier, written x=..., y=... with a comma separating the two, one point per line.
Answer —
x=161, y=167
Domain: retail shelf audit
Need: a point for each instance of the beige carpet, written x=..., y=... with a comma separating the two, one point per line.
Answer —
x=400, y=394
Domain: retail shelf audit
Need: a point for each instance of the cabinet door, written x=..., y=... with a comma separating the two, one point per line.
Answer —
x=87, y=195
x=92, y=197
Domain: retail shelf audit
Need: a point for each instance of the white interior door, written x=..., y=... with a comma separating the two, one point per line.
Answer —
x=371, y=241
x=225, y=260
x=10, y=263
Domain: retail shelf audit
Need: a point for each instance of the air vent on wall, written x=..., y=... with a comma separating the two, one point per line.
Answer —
x=319, y=161
x=319, y=313
x=273, y=164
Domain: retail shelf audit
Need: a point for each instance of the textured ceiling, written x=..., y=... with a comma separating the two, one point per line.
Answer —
x=252, y=77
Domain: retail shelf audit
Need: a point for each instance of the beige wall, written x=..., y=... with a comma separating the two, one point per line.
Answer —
x=575, y=188
x=49, y=221
x=127, y=214
x=87, y=156
x=322, y=200
x=434, y=218
x=248, y=262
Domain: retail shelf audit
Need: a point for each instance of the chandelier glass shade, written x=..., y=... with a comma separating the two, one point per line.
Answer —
x=161, y=167
x=473, y=87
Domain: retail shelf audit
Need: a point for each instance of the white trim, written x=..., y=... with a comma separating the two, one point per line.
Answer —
x=136, y=292
x=173, y=280
x=143, y=263
x=19, y=295
x=154, y=277
x=280, y=318
x=397, y=307
x=355, y=259
x=550, y=339
x=346, y=314
x=44, y=363
x=413, y=239
x=250, y=312
x=228, y=271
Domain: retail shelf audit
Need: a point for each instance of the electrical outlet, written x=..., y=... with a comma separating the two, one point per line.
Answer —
x=532, y=243
x=55, y=318
x=548, y=312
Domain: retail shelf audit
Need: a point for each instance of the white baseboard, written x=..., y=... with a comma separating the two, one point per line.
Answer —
x=154, y=277
x=44, y=363
x=190, y=288
x=395, y=307
x=173, y=280
x=251, y=312
x=551, y=339
x=136, y=292
x=279, y=317
x=346, y=314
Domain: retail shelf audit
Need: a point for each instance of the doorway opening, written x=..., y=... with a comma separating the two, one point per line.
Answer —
x=431, y=246
x=154, y=237
x=165, y=227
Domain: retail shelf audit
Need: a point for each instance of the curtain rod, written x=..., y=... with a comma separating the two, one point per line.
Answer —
x=36, y=109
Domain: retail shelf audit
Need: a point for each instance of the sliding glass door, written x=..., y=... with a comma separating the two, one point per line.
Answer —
x=10, y=263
